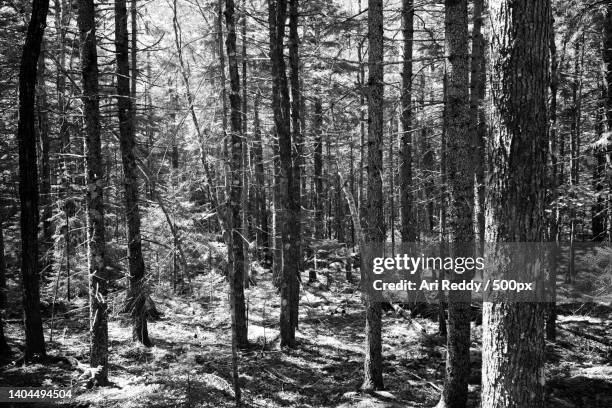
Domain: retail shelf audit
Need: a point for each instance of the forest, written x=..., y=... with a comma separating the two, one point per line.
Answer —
x=197, y=198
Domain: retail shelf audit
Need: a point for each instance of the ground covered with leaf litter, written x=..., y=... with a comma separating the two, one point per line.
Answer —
x=189, y=365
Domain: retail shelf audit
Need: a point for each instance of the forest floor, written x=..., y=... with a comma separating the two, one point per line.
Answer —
x=189, y=365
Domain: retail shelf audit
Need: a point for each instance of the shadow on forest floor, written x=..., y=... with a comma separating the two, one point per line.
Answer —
x=189, y=365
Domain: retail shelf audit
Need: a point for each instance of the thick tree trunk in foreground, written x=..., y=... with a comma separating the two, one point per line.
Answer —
x=286, y=214
x=293, y=246
x=513, y=333
x=408, y=229
x=137, y=295
x=98, y=275
x=280, y=108
x=234, y=223
x=461, y=190
x=28, y=183
x=374, y=215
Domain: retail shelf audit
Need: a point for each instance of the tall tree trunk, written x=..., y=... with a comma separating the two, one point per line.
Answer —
x=137, y=295
x=133, y=60
x=42, y=117
x=28, y=183
x=98, y=275
x=174, y=164
x=246, y=172
x=263, y=231
x=223, y=88
x=339, y=216
x=408, y=229
x=574, y=161
x=478, y=126
x=62, y=21
x=461, y=190
x=443, y=233
x=393, y=129
x=4, y=347
x=297, y=116
x=362, y=120
x=318, y=171
x=319, y=195
x=375, y=224
x=607, y=60
x=327, y=177
x=294, y=252
x=234, y=223
x=286, y=214
x=513, y=335
x=150, y=182
x=551, y=312
x=290, y=186
x=428, y=158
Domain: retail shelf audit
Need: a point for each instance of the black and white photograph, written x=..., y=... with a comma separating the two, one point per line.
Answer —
x=306, y=204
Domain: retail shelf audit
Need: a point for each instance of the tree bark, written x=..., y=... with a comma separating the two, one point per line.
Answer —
x=133, y=59
x=286, y=214
x=293, y=245
x=263, y=232
x=551, y=312
x=574, y=160
x=233, y=212
x=362, y=120
x=42, y=116
x=4, y=347
x=127, y=143
x=98, y=274
x=513, y=335
x=443, y=233
x=319, y=196
x=478, y=125
x=393, y=130
x=375, y=225
x=607, y=60
x=408, y=229
x=28, y=183
x=234, y=222
x=246, y=172
x=62, y=21
x=460, y=172
x=430, y=192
